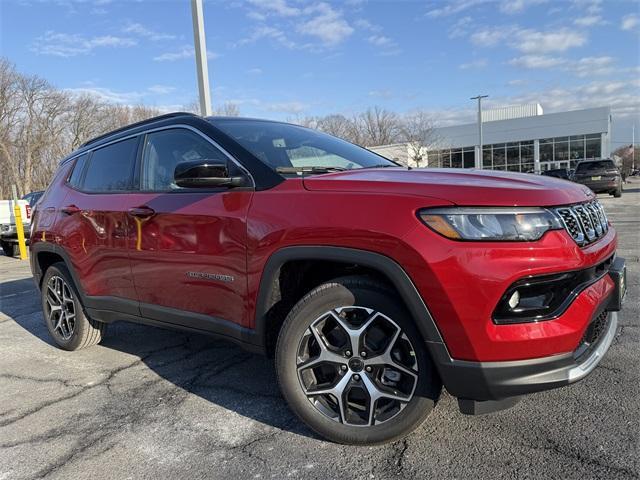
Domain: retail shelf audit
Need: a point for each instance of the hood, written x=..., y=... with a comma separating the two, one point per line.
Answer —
x=467, y=187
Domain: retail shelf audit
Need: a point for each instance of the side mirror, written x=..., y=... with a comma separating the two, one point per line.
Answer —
x=205, y=173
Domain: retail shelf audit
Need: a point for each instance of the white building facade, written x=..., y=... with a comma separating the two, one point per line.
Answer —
x=519, y=139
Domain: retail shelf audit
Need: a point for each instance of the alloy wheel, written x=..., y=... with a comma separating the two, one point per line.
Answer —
x=60, y=307
x=356, y=366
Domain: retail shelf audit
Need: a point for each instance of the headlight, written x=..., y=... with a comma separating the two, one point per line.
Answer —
x=491, y=224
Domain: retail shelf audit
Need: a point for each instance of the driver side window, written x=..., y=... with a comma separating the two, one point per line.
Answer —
x=166, y=149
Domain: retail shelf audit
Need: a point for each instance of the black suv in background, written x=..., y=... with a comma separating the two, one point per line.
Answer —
x=601, y=176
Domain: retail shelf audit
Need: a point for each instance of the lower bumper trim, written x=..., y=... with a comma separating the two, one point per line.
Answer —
x=485, y=381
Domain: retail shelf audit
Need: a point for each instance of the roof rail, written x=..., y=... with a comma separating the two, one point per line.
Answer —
x=137, y=124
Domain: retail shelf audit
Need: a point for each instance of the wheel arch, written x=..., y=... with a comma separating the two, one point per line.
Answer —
x=383, y=265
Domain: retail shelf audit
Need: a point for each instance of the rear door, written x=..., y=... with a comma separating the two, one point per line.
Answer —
x=93, y=224
x=188, y=246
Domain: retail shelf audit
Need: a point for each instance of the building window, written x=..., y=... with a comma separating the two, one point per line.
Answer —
x=561, y=149
x=513, y=157
x=546, y=150
x=499, y=156
x=593, y=146
x=576, y=147
x=469, y=157
x=446, y=158
x=456, y=158
x=486, y=157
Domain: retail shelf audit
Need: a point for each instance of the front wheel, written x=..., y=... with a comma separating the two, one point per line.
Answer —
x=352, y=364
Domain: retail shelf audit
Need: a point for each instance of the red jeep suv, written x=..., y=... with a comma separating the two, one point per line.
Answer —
x=371, y=284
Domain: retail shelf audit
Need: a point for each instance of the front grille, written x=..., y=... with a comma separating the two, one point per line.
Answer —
x=586, y=222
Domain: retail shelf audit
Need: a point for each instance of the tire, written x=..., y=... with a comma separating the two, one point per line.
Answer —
x=618, y=193
x=10, y=249
x=69, y=333
x=318, y=309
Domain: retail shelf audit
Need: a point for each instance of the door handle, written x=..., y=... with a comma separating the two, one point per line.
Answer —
x=141, y=212
x=70, y=209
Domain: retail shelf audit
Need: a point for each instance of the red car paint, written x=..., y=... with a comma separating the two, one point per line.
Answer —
x=148, y=260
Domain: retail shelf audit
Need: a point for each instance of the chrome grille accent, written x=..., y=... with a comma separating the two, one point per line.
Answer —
x=585, y=223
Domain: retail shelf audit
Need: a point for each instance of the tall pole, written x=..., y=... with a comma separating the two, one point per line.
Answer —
x=201, y=57
x=633, y=147
x=479, y=156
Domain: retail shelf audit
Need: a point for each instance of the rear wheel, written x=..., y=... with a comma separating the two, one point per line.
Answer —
x=353, y=366
x=64, y=315
x=10, y=249
x=618, y=192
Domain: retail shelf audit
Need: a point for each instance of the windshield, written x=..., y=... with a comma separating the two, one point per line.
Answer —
x=601, y=165
x=287, y=148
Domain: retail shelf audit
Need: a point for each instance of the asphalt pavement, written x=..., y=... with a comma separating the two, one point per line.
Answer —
x=152, y=403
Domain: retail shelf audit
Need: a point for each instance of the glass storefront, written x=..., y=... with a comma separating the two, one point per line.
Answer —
x=559, y=152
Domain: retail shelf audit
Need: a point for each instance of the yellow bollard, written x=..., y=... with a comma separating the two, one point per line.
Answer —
x=21, y=241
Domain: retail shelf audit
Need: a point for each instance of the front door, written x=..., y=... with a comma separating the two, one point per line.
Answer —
x=187, y=246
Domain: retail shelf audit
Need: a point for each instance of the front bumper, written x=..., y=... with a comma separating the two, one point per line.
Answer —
x=491, y=381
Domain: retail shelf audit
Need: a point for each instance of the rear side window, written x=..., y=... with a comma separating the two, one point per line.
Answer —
x=78, y=168
x=600, y=165
x=111, y=168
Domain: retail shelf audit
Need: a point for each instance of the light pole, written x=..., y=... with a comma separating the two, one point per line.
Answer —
x=479, y=156
x=202, y=68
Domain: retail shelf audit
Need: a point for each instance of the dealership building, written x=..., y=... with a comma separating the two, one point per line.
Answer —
x=519, y=138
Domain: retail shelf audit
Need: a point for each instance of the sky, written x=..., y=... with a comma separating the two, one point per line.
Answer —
x=286, y=59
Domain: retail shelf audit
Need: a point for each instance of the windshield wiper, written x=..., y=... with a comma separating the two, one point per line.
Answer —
x=382, y=165
x=315, y=169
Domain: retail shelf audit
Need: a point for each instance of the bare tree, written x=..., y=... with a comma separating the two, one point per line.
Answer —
x=377, y=126
x=417, y=130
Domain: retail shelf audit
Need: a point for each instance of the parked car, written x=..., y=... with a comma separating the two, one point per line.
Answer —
x=601, y=176
x=372, y=285
x=8, y=230
x=33, y=197
x=557, y=173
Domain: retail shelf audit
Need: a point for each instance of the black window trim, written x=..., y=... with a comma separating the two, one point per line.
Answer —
x=80, y=186
x=140, y=159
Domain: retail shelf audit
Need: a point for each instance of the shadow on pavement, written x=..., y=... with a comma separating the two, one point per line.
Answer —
x=215, y=370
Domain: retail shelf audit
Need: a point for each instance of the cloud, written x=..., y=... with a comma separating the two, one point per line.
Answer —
x=286, y=107
x=511, y=7
x=326, y=24
x=121, y=97
x=385, y=93
x=536, y=61
x=365, y=24
x=254, y=71
x=630, y=22
x=480, y=63
x=275, y=7
x=584, y=67
x=461, y=28
x=184, y=52
x=508, y=7
x=386, y=46
x=528, y=40
x=272, y=33
x=142, y=31
x=71, y=45
x=589, y=21
x=161, y=89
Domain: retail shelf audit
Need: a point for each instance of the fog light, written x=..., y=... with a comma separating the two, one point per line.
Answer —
x=514, y=300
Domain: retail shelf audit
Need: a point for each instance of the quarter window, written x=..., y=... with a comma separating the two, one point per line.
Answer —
x=110, y=168
x=78, y=168
x=166, y=149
